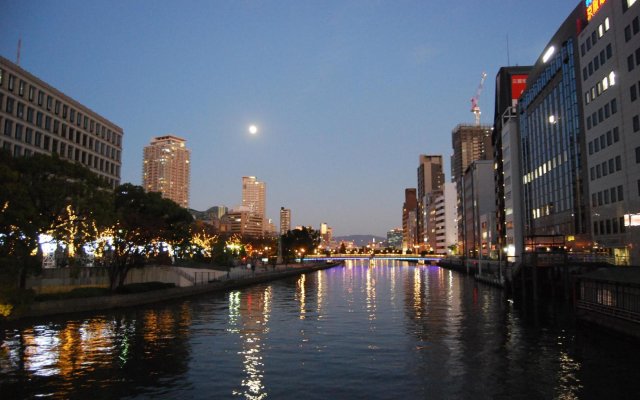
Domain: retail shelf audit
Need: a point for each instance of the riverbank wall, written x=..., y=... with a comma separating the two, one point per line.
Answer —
x=88, y=304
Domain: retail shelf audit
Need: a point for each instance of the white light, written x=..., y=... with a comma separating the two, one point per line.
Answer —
x=547, y=55
x=552, y=119
x=612, y=78
x=253, y=129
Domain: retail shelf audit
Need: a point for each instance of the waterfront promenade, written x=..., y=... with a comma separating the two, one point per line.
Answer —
x=224, y=280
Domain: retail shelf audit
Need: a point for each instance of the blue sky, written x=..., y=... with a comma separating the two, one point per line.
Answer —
x=346, y=94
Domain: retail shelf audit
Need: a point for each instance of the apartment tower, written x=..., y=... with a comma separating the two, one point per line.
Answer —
x=166, y=168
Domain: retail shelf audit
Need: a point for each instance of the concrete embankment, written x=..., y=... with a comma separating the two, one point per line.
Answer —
x=53, y=307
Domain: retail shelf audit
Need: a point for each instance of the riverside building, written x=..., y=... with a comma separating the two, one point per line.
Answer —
x=166, y=168
x=555, y=191
x=35, y=118
x=609, y=52
x=430, y=181
x=510, y=83
x=254, y=197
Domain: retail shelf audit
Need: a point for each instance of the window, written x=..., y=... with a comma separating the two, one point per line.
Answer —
x=28, y=135
x=618, y=163
x=633, y=95
x=64, y=111
x=49, y=103
x=609, y=51
x=9, y=105
x=616, y=135
x=30, y=114
x=614, y=106
x=627, y=33
x=57, y=109
x=21, y=88
x=609, y=139
x=40, y=97
x=1, y=76
x=10, y=83
x=636, y=124
x=8, y=127
x=612, y=193
x=635, y=25
x=630, y=64
x=620, y=193
x=590, y=147
x=19, y=129
x=39, y=116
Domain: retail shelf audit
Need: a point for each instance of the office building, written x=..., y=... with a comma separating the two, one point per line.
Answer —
x=609, y=53
x=37, y=118
x=409, y=216
x=166, y=168
x=394, y=238
x=479, y=209
x=552, y=141
x=470, y=143
x=285, y=220
x=510, y=84
x=242, y=221
x=430, y=181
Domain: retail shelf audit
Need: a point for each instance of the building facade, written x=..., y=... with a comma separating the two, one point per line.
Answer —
x=37, y=118
x=609, y=52
x=394, y=238
x=166, y=168
x=242, y=221
x=479, y=208
x=409, y=216
x=254, y=196
x=285, y=220
x=510, y=84
x=470, y=143
x=555, y=191
x=430, y=181
x=445, y=228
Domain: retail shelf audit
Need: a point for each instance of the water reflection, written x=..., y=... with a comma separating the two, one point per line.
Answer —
x=359, y=331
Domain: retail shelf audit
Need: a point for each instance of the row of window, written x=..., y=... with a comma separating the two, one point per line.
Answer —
x=600, y=87
x=51, y=144
x=607, y=196
x=597, y=62
x=602, y=114
x=54, y=126
x=604, y=140
x=60, y=109
x=609, y=226
x=633, y=60
x=594, y=37
x=605, y=168
x=632, y=29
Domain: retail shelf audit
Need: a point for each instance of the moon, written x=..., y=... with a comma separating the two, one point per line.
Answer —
x=253, y=129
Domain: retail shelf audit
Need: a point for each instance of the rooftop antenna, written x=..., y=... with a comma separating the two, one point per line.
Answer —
x=18, y=55
x=508, y=58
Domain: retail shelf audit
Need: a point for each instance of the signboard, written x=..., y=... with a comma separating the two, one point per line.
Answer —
x=593, y=6
x=518, y=84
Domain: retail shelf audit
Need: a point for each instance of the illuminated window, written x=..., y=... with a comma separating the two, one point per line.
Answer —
x=606, y=24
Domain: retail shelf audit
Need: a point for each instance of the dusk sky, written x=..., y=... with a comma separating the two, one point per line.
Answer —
x=346, y=94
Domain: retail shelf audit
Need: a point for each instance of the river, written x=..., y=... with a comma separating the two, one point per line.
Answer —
x=387, y=331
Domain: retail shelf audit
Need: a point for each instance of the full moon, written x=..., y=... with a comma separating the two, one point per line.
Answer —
x=253, y=129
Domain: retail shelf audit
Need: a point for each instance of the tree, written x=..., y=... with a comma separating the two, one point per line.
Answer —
x=146, y=223
x=44, y=194
x=303, y=240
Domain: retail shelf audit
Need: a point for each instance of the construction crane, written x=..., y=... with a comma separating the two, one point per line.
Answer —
x=475, y=107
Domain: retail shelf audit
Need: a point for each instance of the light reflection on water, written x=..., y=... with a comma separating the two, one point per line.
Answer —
x=354, y=331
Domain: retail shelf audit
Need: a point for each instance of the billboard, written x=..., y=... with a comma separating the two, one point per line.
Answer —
x=518, y=84
x=593, y=6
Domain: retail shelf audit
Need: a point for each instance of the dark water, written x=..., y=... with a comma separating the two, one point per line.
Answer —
x=391, y=331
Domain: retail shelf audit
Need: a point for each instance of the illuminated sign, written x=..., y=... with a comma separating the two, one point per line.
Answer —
x=518, y=84
x=593, y=6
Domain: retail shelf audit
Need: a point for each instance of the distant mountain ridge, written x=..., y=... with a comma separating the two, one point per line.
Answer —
x=359, y=240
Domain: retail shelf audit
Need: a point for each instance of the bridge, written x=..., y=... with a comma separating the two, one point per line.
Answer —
x=396, y=257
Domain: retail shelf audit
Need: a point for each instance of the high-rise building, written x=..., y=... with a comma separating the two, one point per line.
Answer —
x=430, y=181
x=37, y=118
x=479, y=208
x=394, y=238
x=609, y=53
x=444, y=232
x=552, y=142
x=166, y=168
x=470, y=143
x=285, y=220
x=325, y=234
x=409, y=215
x=254, y=197
x=510, y=83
